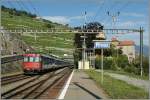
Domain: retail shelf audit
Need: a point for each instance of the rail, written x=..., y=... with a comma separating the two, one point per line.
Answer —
x=10, y=58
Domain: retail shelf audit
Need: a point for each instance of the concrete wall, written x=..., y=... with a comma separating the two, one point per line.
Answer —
x=129, y=51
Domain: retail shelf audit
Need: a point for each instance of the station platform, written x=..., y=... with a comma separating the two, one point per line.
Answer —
x=81, y=87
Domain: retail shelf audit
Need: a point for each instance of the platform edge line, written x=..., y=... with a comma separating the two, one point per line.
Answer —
x=63, y=93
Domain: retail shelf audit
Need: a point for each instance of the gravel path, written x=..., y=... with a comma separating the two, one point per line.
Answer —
x=145, y=84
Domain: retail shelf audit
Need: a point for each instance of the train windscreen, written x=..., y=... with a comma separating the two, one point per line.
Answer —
x=32, y=59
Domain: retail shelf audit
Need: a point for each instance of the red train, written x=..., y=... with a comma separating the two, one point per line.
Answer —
x=35, y=63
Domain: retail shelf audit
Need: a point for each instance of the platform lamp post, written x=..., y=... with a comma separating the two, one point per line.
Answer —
x=83, y=51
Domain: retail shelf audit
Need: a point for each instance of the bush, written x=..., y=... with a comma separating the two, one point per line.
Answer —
x=114, y=65
x=122, y=61
x=48, y=25
x=97, y=62
x=131, y=69
x=145, y=65
x=108, y=63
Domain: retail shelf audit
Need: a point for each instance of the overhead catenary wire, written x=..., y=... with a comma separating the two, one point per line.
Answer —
x=10, y=3
x=22, y=8
x=20, y=5
x=23, y=4
x=120, y=9
x=34, y=8
x=113, y=7
x=99, y=9
x=110, y=8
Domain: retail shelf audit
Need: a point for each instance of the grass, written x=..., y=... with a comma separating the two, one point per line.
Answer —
x=144, y=77
x=64, y=40
x=12, y=21
x=47, y=42
x=118, y=89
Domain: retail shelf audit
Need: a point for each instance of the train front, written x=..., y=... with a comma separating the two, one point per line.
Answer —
x=32, y=63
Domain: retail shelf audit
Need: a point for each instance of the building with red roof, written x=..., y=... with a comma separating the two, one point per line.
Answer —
x=128, y=48
x=126, y=43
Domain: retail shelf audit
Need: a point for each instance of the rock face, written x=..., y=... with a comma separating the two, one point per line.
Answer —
x=11, y=43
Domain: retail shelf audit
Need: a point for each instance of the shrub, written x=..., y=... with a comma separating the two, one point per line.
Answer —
x=122, y=61
x=107, y=63
x=97, y=62
x=131, y=69
x=114, y=65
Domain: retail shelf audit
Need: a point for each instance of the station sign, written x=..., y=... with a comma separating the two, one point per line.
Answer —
x=101, y=45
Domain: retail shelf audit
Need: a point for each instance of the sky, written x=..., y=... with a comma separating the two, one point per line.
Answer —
x=133, y=13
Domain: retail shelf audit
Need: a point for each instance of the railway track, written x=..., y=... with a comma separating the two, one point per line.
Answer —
x=12, y=79
x=8, y=77
x=38, y=86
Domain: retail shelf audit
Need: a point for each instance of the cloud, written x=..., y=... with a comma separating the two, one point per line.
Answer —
x=133, y=14
x=65, y=19
x=62, y=19
x=76, y=17
x=58, y=19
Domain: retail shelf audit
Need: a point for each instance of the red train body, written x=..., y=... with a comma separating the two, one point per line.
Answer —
x=32, y=63
x=35, y=63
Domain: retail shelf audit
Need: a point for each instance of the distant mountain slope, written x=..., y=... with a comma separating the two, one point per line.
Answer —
x=145, y=50
x=45, y=43
x=12, y=18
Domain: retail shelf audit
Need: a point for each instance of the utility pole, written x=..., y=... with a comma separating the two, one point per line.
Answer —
x=0, y=37
x=102, y=65
x=83, y=51
x=114, y=19
x=141, y=50
x=84, y=44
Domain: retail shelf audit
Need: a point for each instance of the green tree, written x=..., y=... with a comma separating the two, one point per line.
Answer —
x=122, y=61
x=146, y=65
x=89, y=38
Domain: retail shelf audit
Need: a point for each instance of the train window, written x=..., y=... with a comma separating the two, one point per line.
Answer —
x=31, y=59
x=37, y=59
x=25, y=59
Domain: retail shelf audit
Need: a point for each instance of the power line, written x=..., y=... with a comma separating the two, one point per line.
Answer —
x=10, y=3
x=21, y=7
x=99, y=9
x=32, y=6
x=114, y=17
x=111, y=7
x=120, y=9
x=24, y=6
